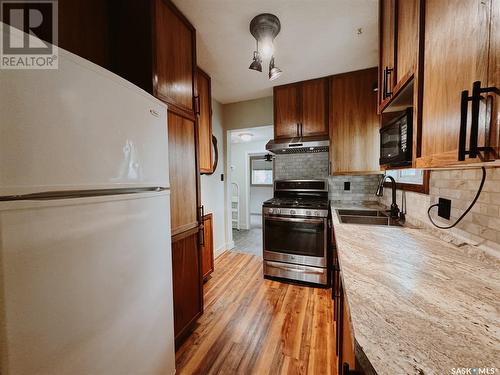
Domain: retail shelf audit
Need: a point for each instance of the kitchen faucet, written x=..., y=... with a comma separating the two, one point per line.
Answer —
x=380, y=193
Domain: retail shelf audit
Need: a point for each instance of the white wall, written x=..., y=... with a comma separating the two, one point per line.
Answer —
x=259, y=194
x=212, y=188
x=239, y=159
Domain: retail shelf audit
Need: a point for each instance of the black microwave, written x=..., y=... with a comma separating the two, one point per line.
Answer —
x=396, y=140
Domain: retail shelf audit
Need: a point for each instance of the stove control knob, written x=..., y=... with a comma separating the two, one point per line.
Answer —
x=318, y=213
x=278, y=210
x=308, y=213
x=292, y=212
x=270, y=210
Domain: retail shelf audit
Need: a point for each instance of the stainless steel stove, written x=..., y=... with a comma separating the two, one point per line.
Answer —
x=295, y=224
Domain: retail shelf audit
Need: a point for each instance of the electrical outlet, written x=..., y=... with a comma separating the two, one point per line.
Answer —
x=347, y=185
x=444, y=208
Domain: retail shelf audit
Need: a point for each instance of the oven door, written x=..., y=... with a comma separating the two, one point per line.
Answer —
x=296, y=240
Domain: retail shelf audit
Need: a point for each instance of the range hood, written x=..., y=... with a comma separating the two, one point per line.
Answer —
x=298, y=145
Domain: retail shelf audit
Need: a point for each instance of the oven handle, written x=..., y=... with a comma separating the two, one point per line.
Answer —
x=295, y=219
x=294, y=269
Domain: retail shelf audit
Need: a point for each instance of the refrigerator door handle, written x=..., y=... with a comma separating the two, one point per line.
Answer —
x=71, y=194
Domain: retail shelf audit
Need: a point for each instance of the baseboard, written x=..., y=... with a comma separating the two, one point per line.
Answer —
x=220, y=250
x=223, y=248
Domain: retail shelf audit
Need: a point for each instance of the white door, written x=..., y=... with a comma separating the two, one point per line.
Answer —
x=87, y=286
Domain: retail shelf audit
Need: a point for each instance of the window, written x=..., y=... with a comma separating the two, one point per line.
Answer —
x=261, y=171
x=410, y=179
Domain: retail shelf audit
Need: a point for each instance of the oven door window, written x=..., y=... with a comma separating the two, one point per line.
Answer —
x=389, y=142
x=295, y=236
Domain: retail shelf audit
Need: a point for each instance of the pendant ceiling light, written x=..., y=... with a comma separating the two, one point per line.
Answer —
x=264, y=28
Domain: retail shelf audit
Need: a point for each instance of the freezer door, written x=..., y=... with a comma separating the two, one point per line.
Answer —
x=87, y=286
x=76, y=128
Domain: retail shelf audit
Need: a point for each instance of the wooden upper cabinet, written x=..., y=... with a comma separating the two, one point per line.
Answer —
x=84, y=29
x=407, y=18
x=494, y=81
x=387, y=14
x=354, y=123
x=399, y=44
x=175, y=61
x=204, y=111
x=154, y=46
x=456, y=50
x=183, y=173
x=286, y=110
x=314, y=107
x=301, y=109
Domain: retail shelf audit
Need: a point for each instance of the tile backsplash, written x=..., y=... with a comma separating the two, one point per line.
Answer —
x=362, y=188
x=301, y=166
x=315, y=166
x=480, y=227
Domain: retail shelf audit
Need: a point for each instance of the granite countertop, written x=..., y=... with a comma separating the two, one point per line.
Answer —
x=418, y=304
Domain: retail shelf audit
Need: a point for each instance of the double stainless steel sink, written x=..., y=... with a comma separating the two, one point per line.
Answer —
x=369, y=217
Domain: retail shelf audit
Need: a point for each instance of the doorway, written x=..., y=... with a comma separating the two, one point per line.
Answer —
x=249, y=183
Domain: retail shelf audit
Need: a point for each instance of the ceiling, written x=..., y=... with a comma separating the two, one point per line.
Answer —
x=261, y=133
x=317, y=38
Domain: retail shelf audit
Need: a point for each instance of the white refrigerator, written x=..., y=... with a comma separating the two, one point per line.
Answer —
x=85, y=256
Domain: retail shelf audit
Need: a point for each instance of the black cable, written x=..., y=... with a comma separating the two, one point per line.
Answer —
x=466, y=211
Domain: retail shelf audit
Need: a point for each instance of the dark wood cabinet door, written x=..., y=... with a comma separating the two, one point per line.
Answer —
x=387, y=45
x=183, y=173
x=84, y=29
x=354, y=123
x=407, y=39
x=287, y=110
x=207, y=249
x=455, y=55
x=174, y=62
x=314, y=107
x=204, y=100
x=187, y=283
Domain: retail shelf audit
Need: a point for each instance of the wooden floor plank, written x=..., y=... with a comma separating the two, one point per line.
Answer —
x=257, y=326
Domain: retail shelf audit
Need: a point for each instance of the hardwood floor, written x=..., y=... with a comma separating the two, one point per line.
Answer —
x=256, y=326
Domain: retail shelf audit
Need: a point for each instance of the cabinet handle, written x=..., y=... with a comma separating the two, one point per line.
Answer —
x=202, y=235
x=301, y=129
x=202, y=226
x=197, y=104
x=202, y=212
x=385, y=92
x=298, y=133
x=464, y=105
x=476, y=98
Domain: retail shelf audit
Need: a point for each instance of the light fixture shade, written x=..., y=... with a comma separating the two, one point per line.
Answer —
x=274, y=71
x=256, y=63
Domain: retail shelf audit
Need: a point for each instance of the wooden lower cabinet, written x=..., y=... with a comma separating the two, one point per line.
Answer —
x=207, y=248
x=346, y=358
x=187, y=283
